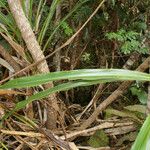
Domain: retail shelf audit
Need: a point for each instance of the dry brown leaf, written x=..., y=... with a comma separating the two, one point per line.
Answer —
x=15, y=45
x=2, y=112
x=6, y=64
x=3, y=92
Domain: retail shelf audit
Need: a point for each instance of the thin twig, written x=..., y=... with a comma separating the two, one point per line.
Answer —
x=69, y=135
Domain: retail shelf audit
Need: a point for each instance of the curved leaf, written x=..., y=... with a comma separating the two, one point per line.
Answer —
x=45, y=93
x=142, y=140
x=83, y=74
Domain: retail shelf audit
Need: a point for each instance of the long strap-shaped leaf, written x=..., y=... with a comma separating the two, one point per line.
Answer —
x=83, y=74
x=42, y=94
x=83, y=77
x=142, y=141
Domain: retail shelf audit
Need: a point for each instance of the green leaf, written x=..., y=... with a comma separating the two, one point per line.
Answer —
x=134, y=90
x=113, y=2
x=136, y=108
x=143, y=138
x=127, y=137
x=123, y=114
x=3, y=3
x=42, y=94
x=99, y=139
x=48, y=20
x=77, y=6
x=67, y=29
x=141, y=94
x=140, y=26
x=83, y=77
x=108, y=75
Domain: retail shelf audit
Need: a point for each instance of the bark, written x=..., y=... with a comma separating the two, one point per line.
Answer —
x=37, y=54
x=57, y=57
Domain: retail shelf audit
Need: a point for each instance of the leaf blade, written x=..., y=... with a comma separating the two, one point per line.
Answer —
x=83, y=74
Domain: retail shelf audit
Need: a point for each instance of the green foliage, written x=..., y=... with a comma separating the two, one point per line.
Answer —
x=86, y=57
x=77, y=78
x=129, y=41
x=5, y=45
x=83, y=13
x=127, y=137
x=103, y=75
x=3, y=146
x=3, y=3
x=139, y=26
x=99, y=139
x=113, y=2
x=8, y=26
x=100, y=20
x=124, y=113
x=140, y=93
x=48, y=20
x=41, y=20
x=142, y=141
x=136, y=108
x=76, y=7
x=67, y=29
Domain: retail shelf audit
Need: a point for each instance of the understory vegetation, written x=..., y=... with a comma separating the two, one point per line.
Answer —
x=74, y=74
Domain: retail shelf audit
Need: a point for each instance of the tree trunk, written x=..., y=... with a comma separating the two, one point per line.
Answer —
x=37, y=54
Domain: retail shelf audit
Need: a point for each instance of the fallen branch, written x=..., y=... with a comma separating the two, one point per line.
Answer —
x=105, y=125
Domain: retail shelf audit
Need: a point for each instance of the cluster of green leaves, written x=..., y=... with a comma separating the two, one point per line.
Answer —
x=140, y=93
x=46, y=30
x=63, y=23
x=129, y=41
x=99, y=139
x=7, y=23
x=140, y=25
x=86, y=57
x=66, y=28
